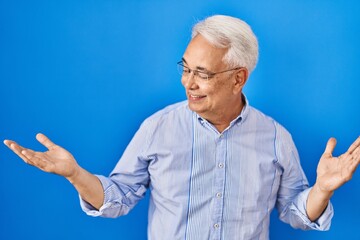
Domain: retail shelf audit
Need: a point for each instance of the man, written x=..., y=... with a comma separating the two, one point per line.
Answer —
x=216, y=167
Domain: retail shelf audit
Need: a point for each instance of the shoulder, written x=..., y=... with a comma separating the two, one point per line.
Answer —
x=180, y=107
x=258, y=119
x=174, y=114
x=254, y=113
x=283, y=144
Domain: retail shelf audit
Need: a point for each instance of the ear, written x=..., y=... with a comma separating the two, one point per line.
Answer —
x=240, y=79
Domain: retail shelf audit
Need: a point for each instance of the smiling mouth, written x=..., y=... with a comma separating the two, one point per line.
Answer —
x=195, y=97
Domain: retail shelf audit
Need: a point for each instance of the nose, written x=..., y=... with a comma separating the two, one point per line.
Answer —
x=189, y=81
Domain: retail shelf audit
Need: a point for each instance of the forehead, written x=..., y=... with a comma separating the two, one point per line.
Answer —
x=200, y=53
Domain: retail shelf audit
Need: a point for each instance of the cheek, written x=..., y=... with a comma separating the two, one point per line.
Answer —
x=217, y=87
x=182, y=81
x=221, y=91
x=207, y=89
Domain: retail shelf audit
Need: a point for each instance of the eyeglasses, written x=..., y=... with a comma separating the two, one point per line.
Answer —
x=198, y=74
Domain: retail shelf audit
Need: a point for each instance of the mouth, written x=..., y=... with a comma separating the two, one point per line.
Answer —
x=193, y=97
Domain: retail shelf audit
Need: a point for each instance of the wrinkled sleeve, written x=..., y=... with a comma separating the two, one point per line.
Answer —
x=128, y=181
x=294, y=188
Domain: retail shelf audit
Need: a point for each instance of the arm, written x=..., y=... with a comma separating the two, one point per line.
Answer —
x=294, y=189
x=332, y=173
x=59, y=161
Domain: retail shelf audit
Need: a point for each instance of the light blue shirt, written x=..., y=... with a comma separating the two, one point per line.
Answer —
x=210, y=185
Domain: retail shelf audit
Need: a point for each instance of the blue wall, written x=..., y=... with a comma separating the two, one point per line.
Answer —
x=86, y=73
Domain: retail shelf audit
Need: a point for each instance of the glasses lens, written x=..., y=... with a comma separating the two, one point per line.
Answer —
x=202, y=75
x=180, y=68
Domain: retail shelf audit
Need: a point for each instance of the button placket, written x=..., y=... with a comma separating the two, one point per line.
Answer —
x=219, y=185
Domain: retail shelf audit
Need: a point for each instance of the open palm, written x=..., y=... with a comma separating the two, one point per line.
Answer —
x=333, y=172
x=56, y=160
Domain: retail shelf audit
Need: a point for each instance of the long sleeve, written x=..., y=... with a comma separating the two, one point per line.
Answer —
x=127, y=183
x=294, y=188
x=204, y=184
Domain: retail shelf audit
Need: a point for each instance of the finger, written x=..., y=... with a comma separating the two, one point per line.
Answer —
x=17, y=149
x=355, y=145
x=37, y=160
x=9, y=142
x=6, y=142
x=356, y=155
x=330, y=146
x=353, y=166
x=351, y=161
x=29, y=154
x=45, y=141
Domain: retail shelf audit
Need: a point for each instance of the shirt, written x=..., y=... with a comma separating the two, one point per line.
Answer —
x=210, y=185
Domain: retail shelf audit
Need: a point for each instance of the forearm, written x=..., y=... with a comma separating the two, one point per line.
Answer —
x=89, y=187
x=317, y=202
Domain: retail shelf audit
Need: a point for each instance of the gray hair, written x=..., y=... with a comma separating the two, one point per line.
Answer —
x=233, y=33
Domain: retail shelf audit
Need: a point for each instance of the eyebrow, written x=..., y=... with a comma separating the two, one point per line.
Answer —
x=197, y=67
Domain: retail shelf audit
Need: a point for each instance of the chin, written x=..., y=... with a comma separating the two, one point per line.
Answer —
x=197, y=109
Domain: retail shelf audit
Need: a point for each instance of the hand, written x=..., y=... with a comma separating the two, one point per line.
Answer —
x=56, y=160
x=333, y=172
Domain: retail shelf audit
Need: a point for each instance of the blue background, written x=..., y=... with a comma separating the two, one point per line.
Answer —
x=86, y=73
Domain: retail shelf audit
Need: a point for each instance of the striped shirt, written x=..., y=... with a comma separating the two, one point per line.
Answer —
x=210, y=185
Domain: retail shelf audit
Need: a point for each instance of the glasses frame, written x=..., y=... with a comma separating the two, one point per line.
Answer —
x=196, y=72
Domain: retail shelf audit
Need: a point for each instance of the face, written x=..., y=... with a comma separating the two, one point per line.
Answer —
x=220, y=95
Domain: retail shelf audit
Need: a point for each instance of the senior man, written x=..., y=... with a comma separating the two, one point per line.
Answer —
x=216, y=166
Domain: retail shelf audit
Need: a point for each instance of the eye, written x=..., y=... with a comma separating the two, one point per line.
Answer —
x=186, y=70
x=203, y=75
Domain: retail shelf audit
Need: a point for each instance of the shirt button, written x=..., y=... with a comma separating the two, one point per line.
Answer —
x=221, y=165
x=221, y=135
x=218, y=195
x=216, y=225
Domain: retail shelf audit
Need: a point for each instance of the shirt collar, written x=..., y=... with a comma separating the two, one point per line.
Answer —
x=238, y=119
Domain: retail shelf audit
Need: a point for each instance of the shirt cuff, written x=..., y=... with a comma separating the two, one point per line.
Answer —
x=108, y=199
x=299, y=208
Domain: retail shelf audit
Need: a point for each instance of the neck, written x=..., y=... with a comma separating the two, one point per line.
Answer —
x=222, y=120
x=222, y=123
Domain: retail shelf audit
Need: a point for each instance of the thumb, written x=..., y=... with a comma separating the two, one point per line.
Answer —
x=330, y=146
x=45, y=141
